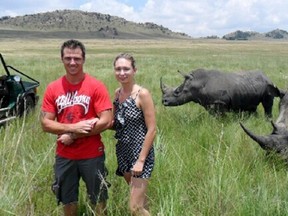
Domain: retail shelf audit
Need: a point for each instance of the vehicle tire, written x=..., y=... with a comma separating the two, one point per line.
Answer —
x=27, y=105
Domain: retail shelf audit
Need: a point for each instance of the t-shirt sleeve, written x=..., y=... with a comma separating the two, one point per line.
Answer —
x=102, y=100
x=48, y=103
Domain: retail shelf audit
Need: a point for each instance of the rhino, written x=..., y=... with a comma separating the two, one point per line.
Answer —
x=221, y=92
x=277, y=141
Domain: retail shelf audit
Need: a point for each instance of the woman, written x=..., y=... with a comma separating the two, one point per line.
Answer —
x=135, y=125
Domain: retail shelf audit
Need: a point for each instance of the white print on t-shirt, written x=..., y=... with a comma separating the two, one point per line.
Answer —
x=71, y=99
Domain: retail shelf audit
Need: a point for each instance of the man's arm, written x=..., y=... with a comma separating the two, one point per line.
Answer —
x=98, y=124
x=103, y=122
x=49, y=125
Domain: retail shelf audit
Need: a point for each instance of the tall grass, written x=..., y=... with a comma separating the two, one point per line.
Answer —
x=205, y=165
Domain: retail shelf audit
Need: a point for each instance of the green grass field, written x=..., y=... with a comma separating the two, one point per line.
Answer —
x=205, y=165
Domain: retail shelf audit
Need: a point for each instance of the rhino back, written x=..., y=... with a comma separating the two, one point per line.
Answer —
x=237, y=90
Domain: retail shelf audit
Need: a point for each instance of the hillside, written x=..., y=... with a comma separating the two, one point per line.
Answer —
x=76, y=23
x=250, y=35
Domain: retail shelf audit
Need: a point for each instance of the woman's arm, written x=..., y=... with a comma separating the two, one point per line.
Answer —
x=147, y=106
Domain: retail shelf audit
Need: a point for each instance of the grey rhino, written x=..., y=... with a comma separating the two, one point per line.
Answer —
x=277, y=141
x=221, y=92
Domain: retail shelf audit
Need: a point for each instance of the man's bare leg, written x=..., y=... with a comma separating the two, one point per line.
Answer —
x=101, y=209
x=70, y=209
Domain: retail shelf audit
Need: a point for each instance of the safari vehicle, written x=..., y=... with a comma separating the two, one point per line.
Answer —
x=18, y=92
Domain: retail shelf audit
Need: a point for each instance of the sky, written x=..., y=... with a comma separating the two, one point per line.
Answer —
x=196, y=18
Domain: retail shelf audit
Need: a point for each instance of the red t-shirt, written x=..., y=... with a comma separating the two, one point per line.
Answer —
x=73, y=103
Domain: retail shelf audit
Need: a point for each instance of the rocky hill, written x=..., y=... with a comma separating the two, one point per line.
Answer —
x=249, y=35
x=76, y=23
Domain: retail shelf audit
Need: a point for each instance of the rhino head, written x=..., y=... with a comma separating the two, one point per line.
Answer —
x=277, y=141
x=186, y=92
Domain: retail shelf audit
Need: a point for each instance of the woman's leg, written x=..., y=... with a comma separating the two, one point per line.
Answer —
x=138, y=199
x=127, y=176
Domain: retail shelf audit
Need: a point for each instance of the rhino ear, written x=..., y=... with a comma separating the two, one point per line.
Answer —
x=163, y=86
x=186, y=76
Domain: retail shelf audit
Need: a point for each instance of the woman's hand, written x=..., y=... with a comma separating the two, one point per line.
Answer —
x=137, y=168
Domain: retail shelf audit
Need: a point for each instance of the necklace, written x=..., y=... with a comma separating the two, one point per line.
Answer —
x=124, y=95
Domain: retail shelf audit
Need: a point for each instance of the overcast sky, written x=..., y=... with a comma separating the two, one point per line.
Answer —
x=197, y=18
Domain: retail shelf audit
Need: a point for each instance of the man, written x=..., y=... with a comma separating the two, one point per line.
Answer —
x=77, y=108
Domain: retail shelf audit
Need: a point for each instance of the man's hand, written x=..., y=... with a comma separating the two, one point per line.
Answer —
x=84, y=127
x=49, y=124
x=66, y=139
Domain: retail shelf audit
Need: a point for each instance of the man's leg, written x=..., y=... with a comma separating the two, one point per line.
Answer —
x=67, y=184
x=101, y=209
x=70, y=209
x=94, y=174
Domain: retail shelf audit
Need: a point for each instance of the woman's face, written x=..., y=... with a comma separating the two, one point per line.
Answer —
x=124, y=72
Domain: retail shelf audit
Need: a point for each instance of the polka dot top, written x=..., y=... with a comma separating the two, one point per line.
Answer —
x=130, y=129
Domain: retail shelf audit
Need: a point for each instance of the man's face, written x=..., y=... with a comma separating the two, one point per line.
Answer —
x=73, y=61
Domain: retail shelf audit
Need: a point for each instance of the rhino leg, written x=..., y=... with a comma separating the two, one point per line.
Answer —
x=217, y=107
x=268, y=105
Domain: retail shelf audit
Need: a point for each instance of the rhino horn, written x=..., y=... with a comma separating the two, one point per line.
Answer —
x=263, y=141
x=163, y=86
